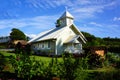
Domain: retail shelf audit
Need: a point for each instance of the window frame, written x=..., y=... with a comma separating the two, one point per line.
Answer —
x=48, y=45
x=42, y=45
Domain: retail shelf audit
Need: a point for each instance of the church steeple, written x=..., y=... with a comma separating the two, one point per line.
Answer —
x=66, y=14
x=65, y=19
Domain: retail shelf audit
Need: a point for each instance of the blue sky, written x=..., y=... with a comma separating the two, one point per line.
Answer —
x=98, y=17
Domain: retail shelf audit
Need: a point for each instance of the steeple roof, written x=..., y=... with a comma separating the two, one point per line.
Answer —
x=66, y=14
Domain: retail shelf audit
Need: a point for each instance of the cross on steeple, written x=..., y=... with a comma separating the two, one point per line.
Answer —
x=66, y=8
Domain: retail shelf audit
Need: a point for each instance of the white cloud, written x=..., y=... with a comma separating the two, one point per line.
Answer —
x=79, y=8
x=102, y=30
x=116, y=19
x=95, y=24
x=31, y=35
x=30, y=26
x=39, y=22
x=83, y=2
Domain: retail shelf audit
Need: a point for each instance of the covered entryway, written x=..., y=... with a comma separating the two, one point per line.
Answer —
x=73, y=45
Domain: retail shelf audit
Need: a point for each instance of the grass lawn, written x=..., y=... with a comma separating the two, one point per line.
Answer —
x=39, y=58
x=6, y=53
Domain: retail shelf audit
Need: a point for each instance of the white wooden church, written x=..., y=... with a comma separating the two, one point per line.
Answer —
x=65, y=37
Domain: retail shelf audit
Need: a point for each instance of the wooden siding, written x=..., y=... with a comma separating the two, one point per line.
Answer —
x=42, y=47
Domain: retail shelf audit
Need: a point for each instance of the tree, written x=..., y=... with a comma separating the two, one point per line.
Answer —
x=58, y=23
x=92, y=40
x=16, y=34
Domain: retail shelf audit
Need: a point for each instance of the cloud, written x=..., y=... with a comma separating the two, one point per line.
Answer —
x=91, y=9
x=102, y=29
x=31, y=26
x=95, y=24
x=116, y=19
x=31, y=35
x=38, y=21
x=77, y=4
x=80, y=8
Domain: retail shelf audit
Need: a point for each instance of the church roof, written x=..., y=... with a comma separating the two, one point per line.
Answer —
x=66, y=14
x=54, y=34
x=47, y=35
x=72, y=39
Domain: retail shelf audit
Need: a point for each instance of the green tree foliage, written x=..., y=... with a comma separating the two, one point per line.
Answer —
x=113, y=44
x=95, y=60
x=58, y=23
x=113, y=60
x=16, y=34
x=112, y=41
x=92, y=40
x=18, y=48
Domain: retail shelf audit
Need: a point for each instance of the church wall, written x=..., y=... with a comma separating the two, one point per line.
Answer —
x=69, y=21
x=62, y=38
x=42, y=47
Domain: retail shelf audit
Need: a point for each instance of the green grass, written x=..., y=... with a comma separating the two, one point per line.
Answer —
x=41, y=58
x=44, y=59
x=7, y=53
x=8, y=66
x=103, y=69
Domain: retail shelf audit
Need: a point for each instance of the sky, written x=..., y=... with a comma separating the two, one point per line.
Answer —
x=97, y=17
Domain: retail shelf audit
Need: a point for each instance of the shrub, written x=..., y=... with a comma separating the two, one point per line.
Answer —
x=71, y=68
x=118, y=64
x=94, y=61
x=104, y=75
x=2, y=47
x=114, y=60
x=2, y=62
x=80, y=72
x=51, y=70
x=25, y=67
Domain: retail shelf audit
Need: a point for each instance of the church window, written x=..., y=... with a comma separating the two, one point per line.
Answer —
x=48, y=44
x=43, y=45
